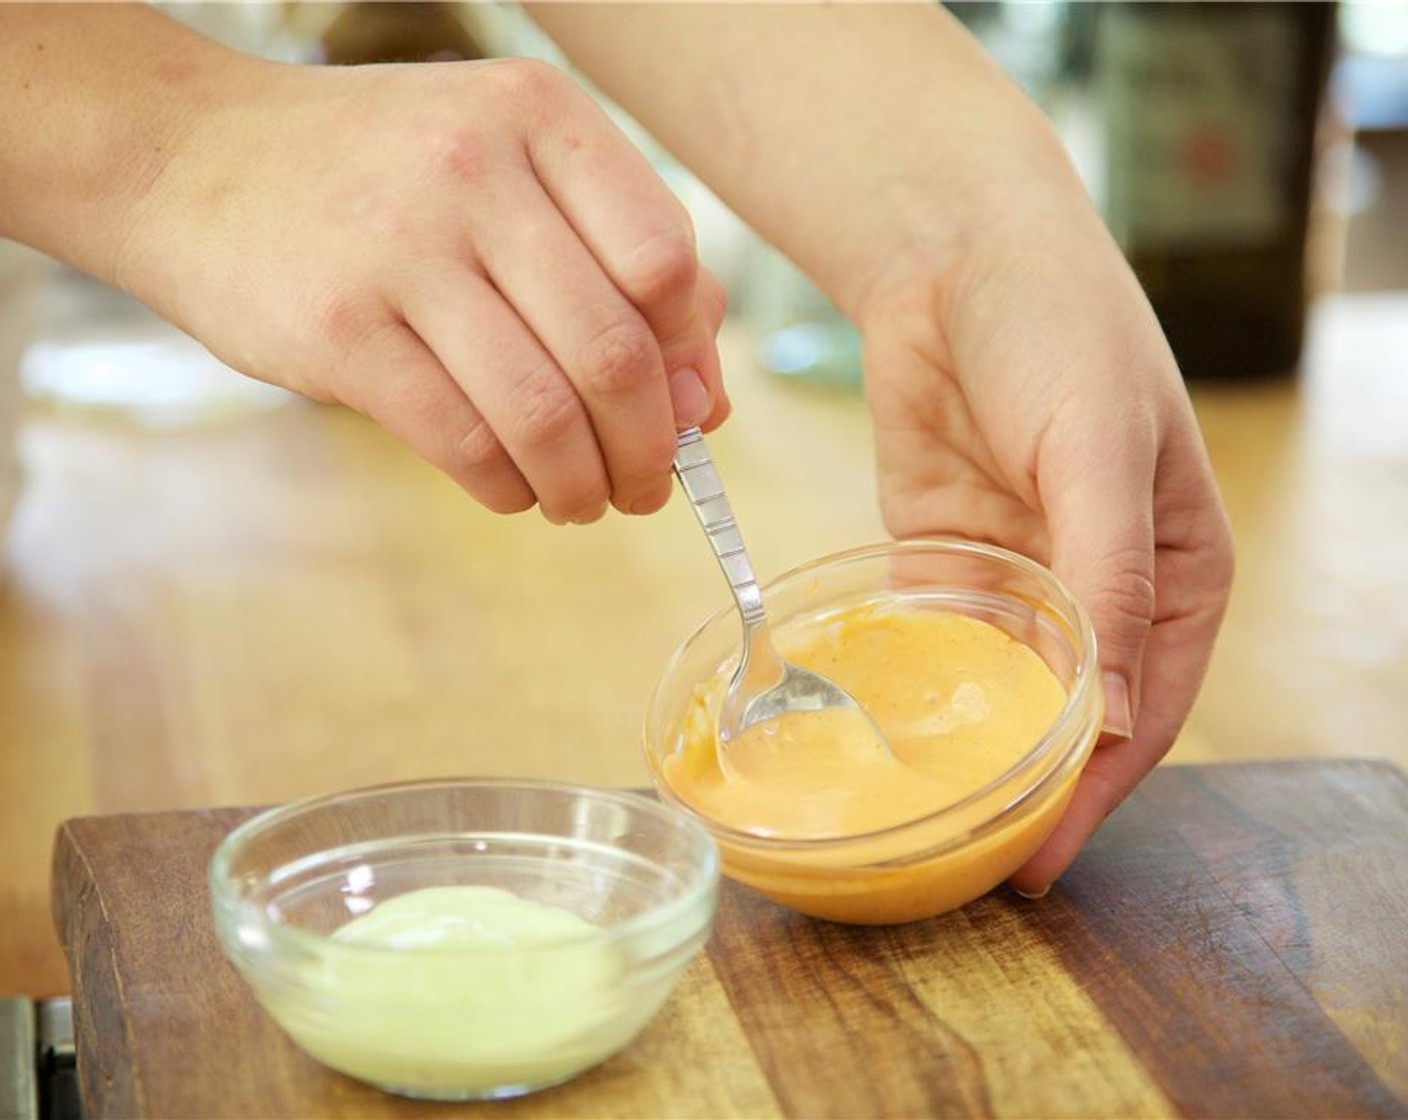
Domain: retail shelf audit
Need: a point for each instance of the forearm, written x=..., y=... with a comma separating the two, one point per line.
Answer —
x=840, y=131
x=94, y=101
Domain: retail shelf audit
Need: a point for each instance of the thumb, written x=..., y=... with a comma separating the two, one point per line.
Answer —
x=1100, y=514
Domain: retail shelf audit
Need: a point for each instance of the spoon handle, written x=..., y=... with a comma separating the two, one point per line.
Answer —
x=695, y=469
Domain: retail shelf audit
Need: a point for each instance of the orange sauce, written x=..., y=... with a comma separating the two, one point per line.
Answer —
x=960, y=704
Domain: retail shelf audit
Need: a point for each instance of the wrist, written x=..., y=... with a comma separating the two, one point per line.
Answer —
x=94, y=105
x=946, y=230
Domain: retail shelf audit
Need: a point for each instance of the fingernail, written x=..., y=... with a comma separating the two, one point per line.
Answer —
x=690, y=398
x=1034, y=895
x=1119, y=718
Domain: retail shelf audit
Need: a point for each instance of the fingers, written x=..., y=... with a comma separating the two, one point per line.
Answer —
x=515, y=384
x=1193, y=574
x=1108, y=778
x=1177, y=655
x=1097, y=497
x=635, y=389
x=600, y=341
x=393, y=378
x=637, y=231
x=564, y=370
x=558, y=291
x=595, y=256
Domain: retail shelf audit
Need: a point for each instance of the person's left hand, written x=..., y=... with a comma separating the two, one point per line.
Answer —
x=1023, y=394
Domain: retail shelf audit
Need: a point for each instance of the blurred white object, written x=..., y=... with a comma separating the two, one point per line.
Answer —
x=286, y=32
x=19, y=273
x=96, y=350
x=161, y=379
x=1374, y=27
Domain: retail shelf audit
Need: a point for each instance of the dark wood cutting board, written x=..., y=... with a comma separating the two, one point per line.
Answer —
x=1234, y=942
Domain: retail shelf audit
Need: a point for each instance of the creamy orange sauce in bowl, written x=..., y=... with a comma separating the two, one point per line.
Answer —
x=980, y=669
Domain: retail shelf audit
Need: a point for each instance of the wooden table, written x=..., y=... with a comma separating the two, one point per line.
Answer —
x=294, y=603
x=1231, y=944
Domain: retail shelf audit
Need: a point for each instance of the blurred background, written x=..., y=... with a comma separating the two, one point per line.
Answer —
x=1249, y=156
x=212, y=592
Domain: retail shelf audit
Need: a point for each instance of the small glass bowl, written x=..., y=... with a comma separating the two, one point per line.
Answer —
x=465, y=1024
x=960, y=851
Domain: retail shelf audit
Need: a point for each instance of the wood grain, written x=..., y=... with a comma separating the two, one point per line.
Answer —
x=1208, y=955
x=295, y=604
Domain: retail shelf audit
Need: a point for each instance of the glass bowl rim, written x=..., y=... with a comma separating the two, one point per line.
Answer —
x=1062, y=728
x=700, y=884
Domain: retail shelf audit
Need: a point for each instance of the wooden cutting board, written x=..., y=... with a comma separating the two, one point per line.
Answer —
x=1233, y=942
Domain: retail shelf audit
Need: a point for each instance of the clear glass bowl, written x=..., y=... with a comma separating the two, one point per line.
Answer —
x=463, y=1024
x=961, y=850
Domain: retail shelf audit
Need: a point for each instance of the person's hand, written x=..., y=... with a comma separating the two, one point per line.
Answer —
x=1024, y=394
x=469, y=253
x=1021, y=387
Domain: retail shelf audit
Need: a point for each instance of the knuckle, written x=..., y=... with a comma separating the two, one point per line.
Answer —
x=525, y=82
x=463, y=153
x=547, y=411
x=662, y=270
x=477, y=450
x=479, y=463
x=351, y=343
x=1126, y=593
x=1223, y=554
x=517, y=96
x=620, y=357
x=345, y=321
x=713, y=298
x=1213, y=567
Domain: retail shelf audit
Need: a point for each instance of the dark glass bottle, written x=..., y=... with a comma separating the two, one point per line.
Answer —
x=1211, y=111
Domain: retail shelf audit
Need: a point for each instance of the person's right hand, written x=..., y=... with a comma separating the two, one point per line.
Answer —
x=469, y=253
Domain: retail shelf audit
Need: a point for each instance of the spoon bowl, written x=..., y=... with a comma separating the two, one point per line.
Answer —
x=765, y=685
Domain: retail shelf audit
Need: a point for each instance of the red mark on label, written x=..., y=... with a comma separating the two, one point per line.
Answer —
x=1209, y=157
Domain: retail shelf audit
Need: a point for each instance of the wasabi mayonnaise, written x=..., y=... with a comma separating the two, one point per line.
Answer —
x=462, y=992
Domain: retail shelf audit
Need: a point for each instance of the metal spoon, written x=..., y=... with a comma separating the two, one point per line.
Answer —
x=765, y=685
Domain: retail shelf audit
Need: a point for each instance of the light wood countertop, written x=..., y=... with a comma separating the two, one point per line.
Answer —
x=293, y=603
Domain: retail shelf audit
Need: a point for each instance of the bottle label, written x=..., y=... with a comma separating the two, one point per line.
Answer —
x=1199, y=109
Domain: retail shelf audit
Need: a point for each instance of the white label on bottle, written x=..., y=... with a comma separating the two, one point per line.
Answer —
x=1199, y=114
